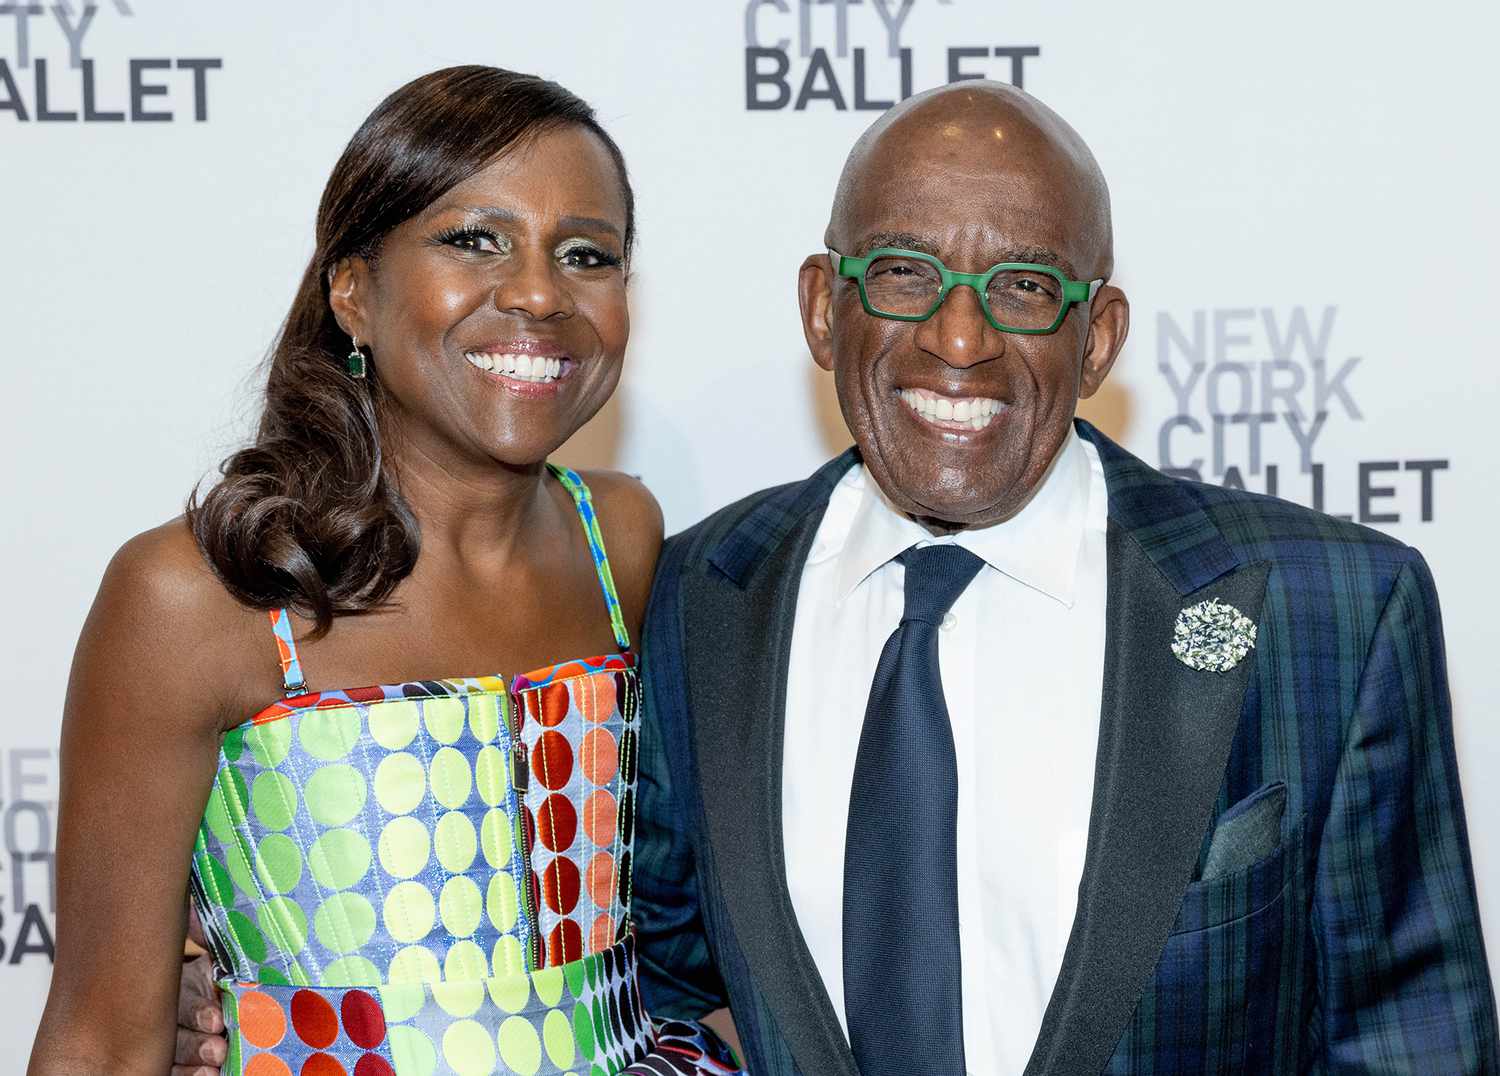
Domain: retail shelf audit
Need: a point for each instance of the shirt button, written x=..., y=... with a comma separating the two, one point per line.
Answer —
x=948, y=621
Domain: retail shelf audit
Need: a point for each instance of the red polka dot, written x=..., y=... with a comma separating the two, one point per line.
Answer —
x=552, y=760
x=528, y=830
x=599, y=812
x=601, y=756
x=262, y=1022
x=366, y=694
x=595, y=696
x=266, y=1065
x=330, y=702
x=373, y=1065
x=528, y=708
x=560, y=886
x=565, y=943
x=554, y=704
x=557, y=824
x=314, y=1019
x=364, y=1021
x=322, y=1065
x=602, y=879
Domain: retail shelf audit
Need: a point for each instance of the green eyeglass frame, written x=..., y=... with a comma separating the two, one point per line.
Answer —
x=1073, y=291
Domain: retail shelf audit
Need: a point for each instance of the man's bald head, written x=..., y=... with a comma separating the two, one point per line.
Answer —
x=958, y=418
x=987, y=130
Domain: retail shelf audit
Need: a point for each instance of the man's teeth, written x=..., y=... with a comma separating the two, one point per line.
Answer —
x=976, y=412
x=520, y=367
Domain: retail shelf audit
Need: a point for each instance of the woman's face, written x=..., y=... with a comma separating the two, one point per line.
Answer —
x=496, y=319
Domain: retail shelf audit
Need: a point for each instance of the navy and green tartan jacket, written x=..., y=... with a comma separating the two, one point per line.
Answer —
x=1344, y=938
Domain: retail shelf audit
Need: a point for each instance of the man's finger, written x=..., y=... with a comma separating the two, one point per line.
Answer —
x=194, y=1048
x=198, y=999
x=196, y=942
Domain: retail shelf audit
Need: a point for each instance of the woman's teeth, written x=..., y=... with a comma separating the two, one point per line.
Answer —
x=520, y=367
x=975, y=412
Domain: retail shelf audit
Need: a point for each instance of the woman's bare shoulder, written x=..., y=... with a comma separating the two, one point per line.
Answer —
x=631, y=521
x=161, y=613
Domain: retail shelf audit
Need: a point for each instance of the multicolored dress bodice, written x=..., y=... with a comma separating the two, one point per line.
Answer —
x=435, y=876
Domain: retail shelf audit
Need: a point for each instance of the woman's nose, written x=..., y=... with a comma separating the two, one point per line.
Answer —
x=533, y=286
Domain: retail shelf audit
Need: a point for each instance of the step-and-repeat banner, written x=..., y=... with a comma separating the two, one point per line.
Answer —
x=1304, y=207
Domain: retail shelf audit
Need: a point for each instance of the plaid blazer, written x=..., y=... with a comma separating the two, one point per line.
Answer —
x=1348, y=941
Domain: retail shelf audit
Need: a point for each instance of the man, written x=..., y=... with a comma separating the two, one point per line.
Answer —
x=988, y=748
x=1244, y=855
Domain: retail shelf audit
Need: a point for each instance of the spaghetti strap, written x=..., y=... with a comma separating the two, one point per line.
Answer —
x=292, y=681
x=575, y=485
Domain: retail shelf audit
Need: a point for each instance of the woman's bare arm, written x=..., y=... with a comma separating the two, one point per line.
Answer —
x=152, y=682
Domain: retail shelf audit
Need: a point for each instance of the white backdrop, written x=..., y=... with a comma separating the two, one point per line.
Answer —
x=1305, y=223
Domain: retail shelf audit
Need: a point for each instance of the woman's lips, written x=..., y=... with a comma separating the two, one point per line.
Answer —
x=520, y=366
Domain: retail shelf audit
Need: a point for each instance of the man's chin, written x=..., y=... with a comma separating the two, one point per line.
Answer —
x=944, y=508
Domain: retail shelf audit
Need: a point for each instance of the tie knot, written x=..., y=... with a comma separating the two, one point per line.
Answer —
x=935, y=576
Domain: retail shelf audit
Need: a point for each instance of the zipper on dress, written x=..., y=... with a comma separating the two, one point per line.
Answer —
x=521, y=782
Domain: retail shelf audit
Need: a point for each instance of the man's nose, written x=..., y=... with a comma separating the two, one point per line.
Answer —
x=959, y=333
x=533, y=286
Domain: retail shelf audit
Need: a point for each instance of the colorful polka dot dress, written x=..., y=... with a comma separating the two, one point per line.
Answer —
x=434, y=877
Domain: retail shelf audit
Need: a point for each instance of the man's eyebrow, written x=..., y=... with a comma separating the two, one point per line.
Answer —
x=510, y=216
x=1038, y=256
x=901, y=240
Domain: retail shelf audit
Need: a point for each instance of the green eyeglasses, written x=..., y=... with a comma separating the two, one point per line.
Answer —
x=1017, y=297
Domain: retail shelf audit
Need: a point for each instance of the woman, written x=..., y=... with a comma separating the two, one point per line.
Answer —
x=433, y=874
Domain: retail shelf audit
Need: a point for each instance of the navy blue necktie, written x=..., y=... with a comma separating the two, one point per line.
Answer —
x=902, y=988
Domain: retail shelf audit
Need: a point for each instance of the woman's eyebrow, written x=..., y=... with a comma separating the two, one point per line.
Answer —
x=510, y=216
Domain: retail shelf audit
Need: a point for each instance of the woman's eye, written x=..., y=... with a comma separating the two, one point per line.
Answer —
x=473, y=241
x=588, y=258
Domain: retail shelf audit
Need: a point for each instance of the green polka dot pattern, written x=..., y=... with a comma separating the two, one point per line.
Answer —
x=360, y=840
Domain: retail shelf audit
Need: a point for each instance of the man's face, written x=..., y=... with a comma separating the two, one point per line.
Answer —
x=953, y=188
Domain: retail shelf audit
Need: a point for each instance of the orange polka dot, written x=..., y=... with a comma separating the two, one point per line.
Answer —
x=601, y=879
x=261, y=1020
x=599, y=813
x=595, y=696
x=602, y=935
x=567, y=669
x=267, y=1065
x=601, y=756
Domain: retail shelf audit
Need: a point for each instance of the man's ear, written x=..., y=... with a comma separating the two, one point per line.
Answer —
x=349, y=295
x=1109, y=324
x=815, y=297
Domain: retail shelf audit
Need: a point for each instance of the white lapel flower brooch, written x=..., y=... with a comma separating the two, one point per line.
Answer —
x=1212, y=636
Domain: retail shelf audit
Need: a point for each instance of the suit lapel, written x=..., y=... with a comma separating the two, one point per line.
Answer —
x=1164, y=738
x=739, y=618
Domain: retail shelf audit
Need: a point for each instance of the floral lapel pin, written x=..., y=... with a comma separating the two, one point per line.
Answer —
x=1212, y=636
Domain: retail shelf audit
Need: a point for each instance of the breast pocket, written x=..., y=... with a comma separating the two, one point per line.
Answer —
x=1228, y=979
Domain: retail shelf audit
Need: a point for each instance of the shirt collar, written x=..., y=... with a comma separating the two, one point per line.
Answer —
x=1038, y=547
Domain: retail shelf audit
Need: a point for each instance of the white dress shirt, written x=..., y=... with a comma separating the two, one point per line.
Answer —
x=1022, y=660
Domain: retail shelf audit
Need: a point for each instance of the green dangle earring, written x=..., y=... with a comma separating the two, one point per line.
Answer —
x=355, y=363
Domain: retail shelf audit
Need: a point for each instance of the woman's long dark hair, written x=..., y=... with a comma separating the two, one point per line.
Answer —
x=308, y=516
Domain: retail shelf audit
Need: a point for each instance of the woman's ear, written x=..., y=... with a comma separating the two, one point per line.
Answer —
x=348, y=296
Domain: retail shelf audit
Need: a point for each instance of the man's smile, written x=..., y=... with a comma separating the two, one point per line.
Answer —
x=951, y=412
